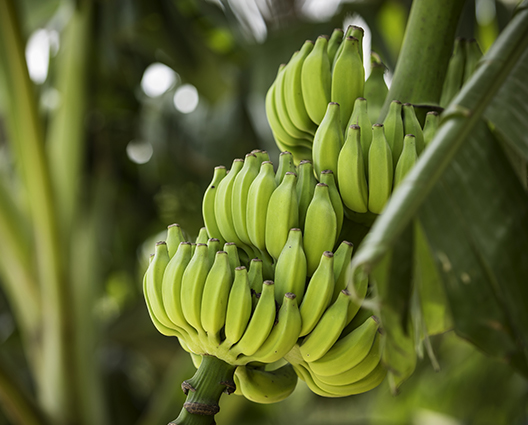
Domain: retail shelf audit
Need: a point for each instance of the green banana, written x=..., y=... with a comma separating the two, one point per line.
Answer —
x=283, y=335
x=262, y=386
x=239, y=197
x=238, y=307
x=202, y=236
x=342, y=258
x=351, y=176
x=358, y=33
x=282, y=215
x=261, y=156
x=213, y=246
x=260, y=324
x=232, y=254
x=223, y=205
x=259, y=195
x=193, y=282
x=285, y=164
x=320, y=229
x=358, y=372
x=208, y=204
x=328, y=140
x=215, y=297
x=327, y=331
x=293, y=90
x=348, y=79
x=318, y=294
x=290, y=269
x=348, y=351
x=473, y=56
x=333, y=44
x=380, y=170
x=171, y=287
x=327, y=177
x=305, y=188
x=316, y=80
x=393, y=128
x=455, y=74
x=431, y=125
x=407, y=159
x=255, y=276
x=376, y=89
x=360, y=117
x=411, y=125
x=174, y=238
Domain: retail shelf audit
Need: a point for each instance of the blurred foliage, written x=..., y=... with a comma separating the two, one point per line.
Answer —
x=231, y=56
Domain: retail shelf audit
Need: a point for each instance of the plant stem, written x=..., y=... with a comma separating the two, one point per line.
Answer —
x=204, y=389
x=427, y=46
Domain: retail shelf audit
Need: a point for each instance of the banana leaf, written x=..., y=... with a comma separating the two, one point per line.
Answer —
x=464, y=210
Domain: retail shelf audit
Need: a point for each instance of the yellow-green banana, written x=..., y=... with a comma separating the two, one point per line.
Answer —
x=342, y=258
x=407, y=159
x=290, y=269
x=316, y=80
x=333, y=44
x=393, y=128
x=305, y=188
x=208, y=204
x=360, y=117
x=213, y=246
x=327, y=177
x=351, y=176
x=238, y=307
x=327, y=331
x=232, y=253
x=320, y=229
x=259, y=195
x=411, y=125
x=375, y=87
x=285, y=164
x=328, y=140
x=262, y=386
x=282, y=215
x=348, y=79
x=380, y=170
x=318, y=294
x=431, y=124
x=174, y=238
x=202, y=236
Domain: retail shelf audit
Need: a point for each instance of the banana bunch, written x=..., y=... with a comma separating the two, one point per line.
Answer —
x=327, y=70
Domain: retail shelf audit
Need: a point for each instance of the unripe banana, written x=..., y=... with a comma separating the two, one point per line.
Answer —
x=282, y=215
x=223, y=205
x=431, y=125
x=193, y=282
x=215, y=297
x=262, y=386
x=316, y=80
x=305, y=188
x=327, y=177
x=349, y=351
x=348, y=33
x=360, y=117
x=213, y=246
x=375, y=87
x=333, y=44
x=358, y=33
x=351, y=175
x=293, y=90
x=174, y=238
x=202, y=236
x=348, y=79
x=261, y=322
x=255, y=276
x=232, y=254
x=318, y=294
x=171, y=287
x=393, y=127
x=241, y=186
x=283, y=335
x=281, y=93
x=285, y=164
x=261, y=156
x=327, y=330
x=208, y=204
x=320, y=228
x=328, y=140
x=380, y=170
x=455, y=74
x=290, y=269
x=259, y=195
x=407, y=159
x=342, y=258
x=473, y=55
x=238, y=307
x=411, y=125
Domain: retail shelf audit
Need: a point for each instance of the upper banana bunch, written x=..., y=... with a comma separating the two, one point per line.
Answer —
x=204, y=295
x=329, y=70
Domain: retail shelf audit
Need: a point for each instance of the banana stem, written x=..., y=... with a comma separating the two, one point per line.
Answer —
x=203, y=390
